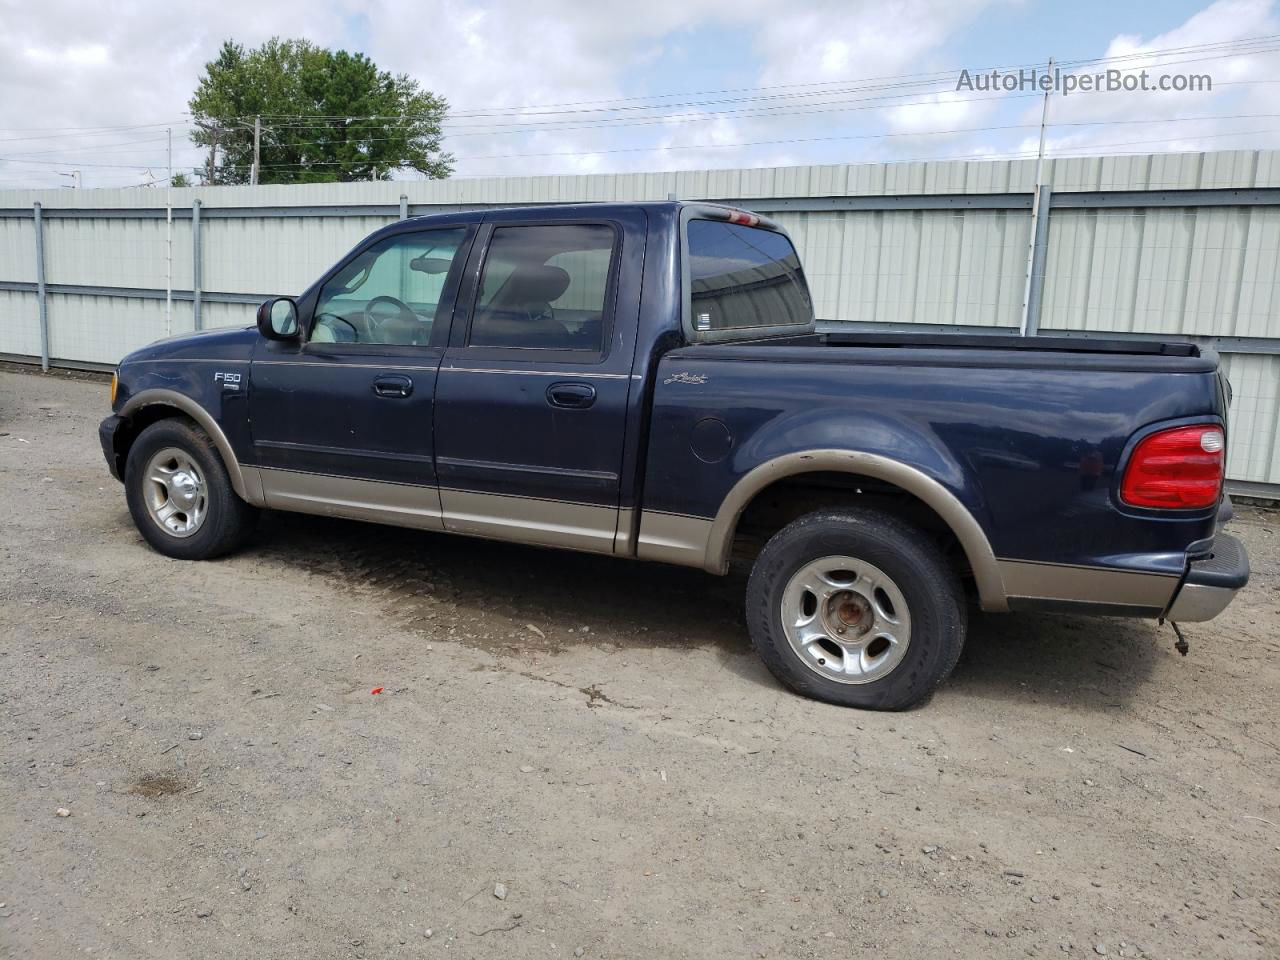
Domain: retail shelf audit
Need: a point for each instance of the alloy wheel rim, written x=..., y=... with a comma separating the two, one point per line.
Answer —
x=175, y=492
x=846, y=619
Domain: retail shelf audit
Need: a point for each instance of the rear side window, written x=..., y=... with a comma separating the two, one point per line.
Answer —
x=544, y=287
x=743, y=277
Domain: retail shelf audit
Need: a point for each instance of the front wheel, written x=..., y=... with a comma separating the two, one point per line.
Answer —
x=856, y=608
x=180, y=495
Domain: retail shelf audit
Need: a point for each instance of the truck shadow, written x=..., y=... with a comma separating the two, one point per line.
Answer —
x=493, y=591
x=428, y=581
x=1090, y=662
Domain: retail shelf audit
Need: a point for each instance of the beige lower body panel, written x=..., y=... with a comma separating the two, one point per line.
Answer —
x=399, y=504
x=252, y=480
x=552, y=523
x=623, y=539
x=673, y=538
x=665, y=537
x=1050, y=581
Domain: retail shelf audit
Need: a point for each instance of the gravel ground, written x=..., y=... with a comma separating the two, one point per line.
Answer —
x=574, y=756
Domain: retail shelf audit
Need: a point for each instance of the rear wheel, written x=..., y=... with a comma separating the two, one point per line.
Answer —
x=180, y=495
x=856, y=608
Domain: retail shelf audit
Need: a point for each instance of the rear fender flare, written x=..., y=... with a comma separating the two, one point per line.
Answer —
x=982, y=559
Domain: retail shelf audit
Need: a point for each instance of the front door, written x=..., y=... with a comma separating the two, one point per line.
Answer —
x=532, y=392
x=342, y=424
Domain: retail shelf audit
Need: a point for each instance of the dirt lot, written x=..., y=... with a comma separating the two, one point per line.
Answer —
x=596, y=737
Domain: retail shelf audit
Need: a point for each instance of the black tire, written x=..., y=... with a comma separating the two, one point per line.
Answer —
x=918, y=570
x=228, y=520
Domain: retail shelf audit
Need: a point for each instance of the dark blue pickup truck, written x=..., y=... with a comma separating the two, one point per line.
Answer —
x=646, y=381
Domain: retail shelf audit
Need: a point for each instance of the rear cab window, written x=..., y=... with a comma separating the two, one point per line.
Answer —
x=743, y=281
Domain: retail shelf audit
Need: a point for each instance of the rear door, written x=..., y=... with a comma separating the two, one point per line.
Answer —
x=342, y=424
x=532, y=392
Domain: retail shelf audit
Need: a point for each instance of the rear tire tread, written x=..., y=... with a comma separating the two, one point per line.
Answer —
x=933, y=592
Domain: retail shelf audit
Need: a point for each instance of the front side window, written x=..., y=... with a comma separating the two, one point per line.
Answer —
x=390, y=292
x=742, y=277
x=544, y=287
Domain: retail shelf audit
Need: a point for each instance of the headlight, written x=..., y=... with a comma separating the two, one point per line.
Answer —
x=115, y=382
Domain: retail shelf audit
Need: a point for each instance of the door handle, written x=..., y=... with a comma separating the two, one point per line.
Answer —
x=573, y=396
x=393, y=386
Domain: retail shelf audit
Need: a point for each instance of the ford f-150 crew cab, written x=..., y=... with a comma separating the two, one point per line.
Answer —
x=646, y=381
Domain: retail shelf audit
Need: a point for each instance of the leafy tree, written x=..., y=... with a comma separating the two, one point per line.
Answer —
x=326, y=116
x=180, y=180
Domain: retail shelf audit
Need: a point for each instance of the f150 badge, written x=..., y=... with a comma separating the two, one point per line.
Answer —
x=229, y=381
x=683, y=377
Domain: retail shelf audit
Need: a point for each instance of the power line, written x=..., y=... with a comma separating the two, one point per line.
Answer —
x=869, y=136
x=718, y=146
x=1235, y=48
x=103, y=148
x=874, y=102
x=802, y=110
x=787, y=141
x=1242, y=46
x=893, y=88
x=95, y=131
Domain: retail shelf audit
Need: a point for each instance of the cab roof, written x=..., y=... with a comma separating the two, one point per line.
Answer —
x=566, y=211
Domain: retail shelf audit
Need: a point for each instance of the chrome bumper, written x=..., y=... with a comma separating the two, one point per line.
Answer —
x=1211, y=583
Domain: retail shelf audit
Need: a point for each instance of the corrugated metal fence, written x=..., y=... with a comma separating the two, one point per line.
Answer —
x=1165, y=245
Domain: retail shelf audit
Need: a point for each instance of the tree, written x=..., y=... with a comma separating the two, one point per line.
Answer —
x=180, y=180
x=326, y=116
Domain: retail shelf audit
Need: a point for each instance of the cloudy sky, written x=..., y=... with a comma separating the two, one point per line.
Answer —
x=565, y=86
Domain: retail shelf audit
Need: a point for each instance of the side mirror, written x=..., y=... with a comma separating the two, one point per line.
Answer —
x=278, y=319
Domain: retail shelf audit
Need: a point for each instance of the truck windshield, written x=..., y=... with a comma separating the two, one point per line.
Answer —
x=744, y=277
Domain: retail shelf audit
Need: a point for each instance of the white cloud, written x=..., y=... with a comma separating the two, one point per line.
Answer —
x=83, y=55
x=78, y=65
x=1141, y=122
x=947, y=110
x=852, y=39
x=81, y=65
x=867, y=64
x=99, y=66
x=560, y=52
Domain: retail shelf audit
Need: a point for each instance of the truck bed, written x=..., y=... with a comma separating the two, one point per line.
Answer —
x=966, y=350
x=1027, y=433
x=1038, y=343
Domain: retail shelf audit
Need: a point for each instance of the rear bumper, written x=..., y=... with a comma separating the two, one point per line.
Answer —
x=108, y=430
x=1211, y=583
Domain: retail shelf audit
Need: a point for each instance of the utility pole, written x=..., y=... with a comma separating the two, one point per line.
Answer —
x=1036, y=212
x=215, y=131
x=257, y=146
x=212, y=164
x=168, y=242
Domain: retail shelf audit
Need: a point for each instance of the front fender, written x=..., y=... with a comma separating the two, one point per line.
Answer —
x=244, y=482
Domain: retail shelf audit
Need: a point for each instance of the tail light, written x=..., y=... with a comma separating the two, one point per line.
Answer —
x=1177, y=469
